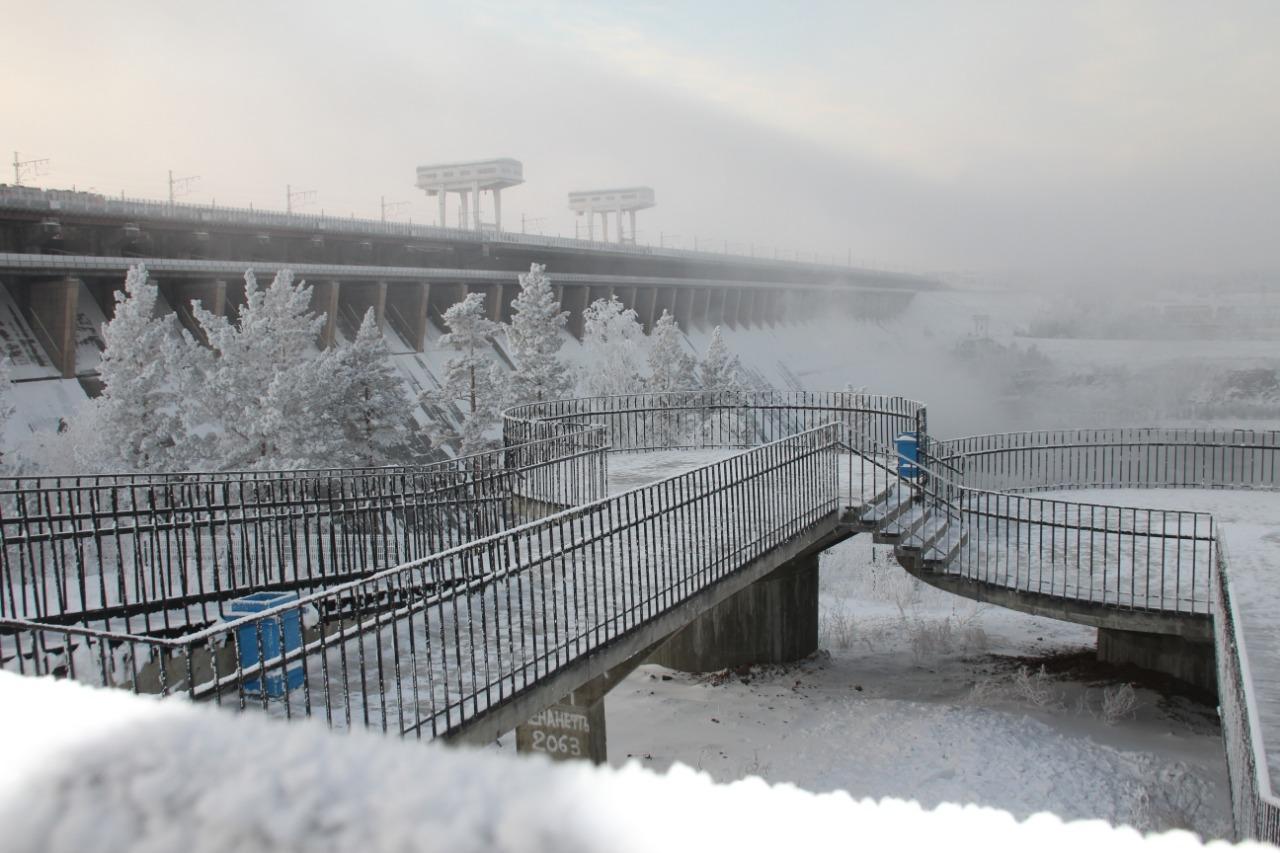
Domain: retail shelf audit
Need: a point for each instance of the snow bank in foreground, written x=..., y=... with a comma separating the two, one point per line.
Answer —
x=91, y=769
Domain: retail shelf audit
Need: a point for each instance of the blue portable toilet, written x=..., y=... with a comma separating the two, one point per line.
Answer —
x=269, y=632
x=908, y=455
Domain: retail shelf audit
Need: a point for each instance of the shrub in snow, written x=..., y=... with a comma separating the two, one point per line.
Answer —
x=1118, y=703
x=138, y=421
x=472, y=381
x=260, y=388
x=615, y=356
x=534, y=334
x=1035, y=688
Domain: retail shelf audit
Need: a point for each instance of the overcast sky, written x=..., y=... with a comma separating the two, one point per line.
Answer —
x=936, y=136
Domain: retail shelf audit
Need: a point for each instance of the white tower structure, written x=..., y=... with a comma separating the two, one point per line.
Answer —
x=626, y=200
x=468, y=180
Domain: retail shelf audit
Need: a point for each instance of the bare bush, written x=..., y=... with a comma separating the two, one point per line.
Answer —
x=1118, y=703
x=836, y=628
x=1035, y=688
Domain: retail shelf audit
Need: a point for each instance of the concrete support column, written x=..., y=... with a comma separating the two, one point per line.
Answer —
x=1189, y=660
x=621, y=236
x=475, y=204
x=591, y=224
x=572, y=729
x=633, y=226
x=746, y=308
x=324, y=300
x=497, y=208
x=646, y=301
x=715, y=307
x=355, y=299
x=729, y=311
x=407, y=304
x=462, y=210
x=493, y=301
x=51, y=309
x=775, y=620
x=684, y=308
x=574, y=300
x=604, y=226
x=701, y=308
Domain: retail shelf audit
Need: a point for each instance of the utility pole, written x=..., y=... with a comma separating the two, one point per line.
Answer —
x=23, y=168
x=391, y=206
x=526, y=221
x=179, y=187
x=300, y=196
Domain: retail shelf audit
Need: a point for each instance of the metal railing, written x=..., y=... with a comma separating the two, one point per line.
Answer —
x=151, y=553
x=1117, y=458
x=1255, y=809
x=1117, y=557
x=422, y=647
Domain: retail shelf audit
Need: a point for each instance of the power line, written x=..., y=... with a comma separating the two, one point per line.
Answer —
x=391, y=207
x=28, y=168
x=300, y=197
x=179, y=187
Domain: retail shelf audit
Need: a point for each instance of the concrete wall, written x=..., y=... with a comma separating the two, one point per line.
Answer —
x=775, y=620
x=1189, y=660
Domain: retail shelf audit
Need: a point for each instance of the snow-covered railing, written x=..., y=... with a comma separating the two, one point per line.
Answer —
x=1255, y=809
x=424, y=647
x=720, y=419
x=1117, y=458
x=155, y=553
x=1110, y=557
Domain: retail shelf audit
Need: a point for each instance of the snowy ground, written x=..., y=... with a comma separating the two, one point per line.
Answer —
x=924, y=696
x=90, y=770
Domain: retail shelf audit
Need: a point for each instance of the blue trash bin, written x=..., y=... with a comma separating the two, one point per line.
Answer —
x=908, y=444
x=259, y=641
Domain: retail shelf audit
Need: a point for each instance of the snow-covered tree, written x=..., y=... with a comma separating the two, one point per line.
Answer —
x=138, y=419
x=671, y=367
x=6, y=402
x=534, y=333
x=261, y=388
x=371, y=409
x=719, y=368
x=472, y=383
x=719, y=373
x=615, y=351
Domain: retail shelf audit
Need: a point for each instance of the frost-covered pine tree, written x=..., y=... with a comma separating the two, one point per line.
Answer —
x=472, y=383
x=370, y=407
x=719, y=368
x=615, y=355
x=534, y=333
x=261, y=388
x=671, y=367
x=718, y=373
x=138, y=419
x=6, y=403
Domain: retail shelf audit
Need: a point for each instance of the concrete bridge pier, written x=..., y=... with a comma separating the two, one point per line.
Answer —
x=50, y=308
x=1187, y=659
x=572, y=729
x=775, y=620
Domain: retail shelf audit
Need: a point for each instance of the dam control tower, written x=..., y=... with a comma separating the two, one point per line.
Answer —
x=468, y=180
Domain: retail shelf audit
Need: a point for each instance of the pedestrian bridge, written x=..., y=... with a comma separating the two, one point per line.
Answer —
x=461, y=599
